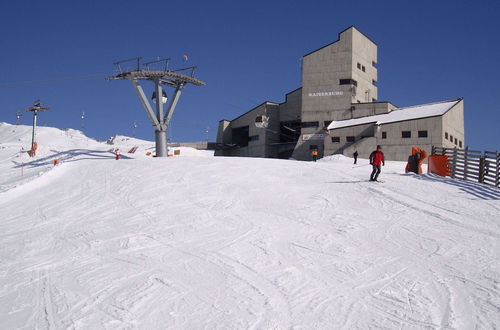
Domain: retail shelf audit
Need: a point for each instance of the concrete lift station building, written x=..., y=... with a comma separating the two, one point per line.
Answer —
x=337, y=111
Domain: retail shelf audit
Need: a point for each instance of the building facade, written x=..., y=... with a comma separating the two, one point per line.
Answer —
x=435, y=124
x=339, y=85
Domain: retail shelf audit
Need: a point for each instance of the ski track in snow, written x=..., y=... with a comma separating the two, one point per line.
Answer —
x=239, y=243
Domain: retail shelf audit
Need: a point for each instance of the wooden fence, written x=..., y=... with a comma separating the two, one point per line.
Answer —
x=472, y=165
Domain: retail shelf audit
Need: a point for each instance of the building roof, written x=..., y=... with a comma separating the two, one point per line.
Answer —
x=399, y=114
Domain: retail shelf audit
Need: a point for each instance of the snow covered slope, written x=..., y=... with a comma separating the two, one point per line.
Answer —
x=196, y=242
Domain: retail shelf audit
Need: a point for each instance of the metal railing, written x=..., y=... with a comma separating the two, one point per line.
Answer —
x=472, y=165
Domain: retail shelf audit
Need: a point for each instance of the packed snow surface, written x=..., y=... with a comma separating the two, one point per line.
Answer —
x=197, y=242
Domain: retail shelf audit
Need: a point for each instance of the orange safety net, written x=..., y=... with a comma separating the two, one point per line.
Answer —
x=438, y=164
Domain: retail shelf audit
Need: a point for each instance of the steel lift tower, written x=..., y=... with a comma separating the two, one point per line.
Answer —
x=172, y=78
x=35, y=109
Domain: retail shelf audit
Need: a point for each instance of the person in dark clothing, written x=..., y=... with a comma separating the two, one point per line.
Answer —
x=415, y=160
x=355, y=155
x=412, y=165
x=376, y=160
x=314, y=154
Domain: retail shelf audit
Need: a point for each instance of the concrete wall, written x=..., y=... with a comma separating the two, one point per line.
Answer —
x=322, y=96
x=359, y=132
x=364, y=52
x=271, y=133
x=453, y=124
x=223, y=135
x=364, y=147
x=256, y=148
x=202, y=145
x=395, y=147
x=291, y=108
x=369, y=109
x=398, y=148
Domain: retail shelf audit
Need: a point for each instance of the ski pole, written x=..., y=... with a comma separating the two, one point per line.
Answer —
x=360, y=165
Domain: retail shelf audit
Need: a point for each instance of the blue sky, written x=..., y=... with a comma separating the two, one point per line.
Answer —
x=247, y=52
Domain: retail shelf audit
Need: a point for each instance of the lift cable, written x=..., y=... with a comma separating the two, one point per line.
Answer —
x=50, y=80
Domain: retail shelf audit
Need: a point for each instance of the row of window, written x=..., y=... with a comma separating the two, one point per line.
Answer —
x=404, y=135
x=407, y=134
x=336, y=139
x=362, y=67
x=306, y=124
x=453, y=140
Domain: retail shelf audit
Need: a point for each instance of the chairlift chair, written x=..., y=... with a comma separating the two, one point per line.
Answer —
x=163, y=99
x=262, y=121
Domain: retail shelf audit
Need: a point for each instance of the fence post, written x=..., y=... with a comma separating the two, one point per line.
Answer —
x=482, y=169
x=466, y=163
x=497, y=175
x=453, y=175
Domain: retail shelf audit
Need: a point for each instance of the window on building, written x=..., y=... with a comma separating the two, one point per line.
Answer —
x=374, y=64
x=446, y=135
x=451, y=138
x=327, y=122
x=348, y=82
x=374, y=100
x=406, y=134
x=350, y=138
x=313, y=147
x=374, y=82
x=290, y=131
x=363, y=68
x=306, y=124
x=460, y=144
x=240, y=136
x=384, y=135
x=456, y=142
x=422, y=134
x=335, y=139
x=359, y=65
x=253, y=138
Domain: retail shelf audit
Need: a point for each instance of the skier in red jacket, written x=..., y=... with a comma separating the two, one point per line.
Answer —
x=376, y=159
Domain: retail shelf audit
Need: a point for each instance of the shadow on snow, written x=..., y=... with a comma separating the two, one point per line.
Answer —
x=476, y=189
x=69, y=156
